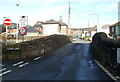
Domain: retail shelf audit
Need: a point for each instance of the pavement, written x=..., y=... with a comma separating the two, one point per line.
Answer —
x=73, y=61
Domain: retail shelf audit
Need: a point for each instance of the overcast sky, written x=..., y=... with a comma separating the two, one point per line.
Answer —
x=42, y=10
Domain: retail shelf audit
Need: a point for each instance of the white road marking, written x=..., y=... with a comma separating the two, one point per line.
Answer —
x=5, y=72
x=23, y=64
x=105, y=70
x=3, y=69
x=17, y=63
x=117, y=77
x=37, y=58
x=1, y=65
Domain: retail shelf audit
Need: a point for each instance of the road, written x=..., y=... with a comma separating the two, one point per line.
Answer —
x=71, y=62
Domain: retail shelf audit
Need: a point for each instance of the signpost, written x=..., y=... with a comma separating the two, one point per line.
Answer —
x=23, y=31
x=7, y=22
x=23, y=22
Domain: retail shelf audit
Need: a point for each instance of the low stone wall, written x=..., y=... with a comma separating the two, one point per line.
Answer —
x=37, y=47
x=105, y=51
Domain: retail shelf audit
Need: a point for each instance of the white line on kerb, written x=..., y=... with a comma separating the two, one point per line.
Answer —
x=3, y=69
x=37, y=58
x=18, y=63
x=23, y=64
x=5, y=72
x=105, y=70
x=1, y=65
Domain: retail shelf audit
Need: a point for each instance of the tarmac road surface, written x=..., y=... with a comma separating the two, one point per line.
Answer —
x=71, y=62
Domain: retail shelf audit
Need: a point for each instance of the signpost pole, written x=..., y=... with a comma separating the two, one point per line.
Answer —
x=6, y=33
x=7, y=22
x=23, y=38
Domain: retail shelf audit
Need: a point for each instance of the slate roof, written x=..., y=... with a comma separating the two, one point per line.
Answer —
x=31, y=29
x=55, y=22
x=89, y=29
x=105, y=26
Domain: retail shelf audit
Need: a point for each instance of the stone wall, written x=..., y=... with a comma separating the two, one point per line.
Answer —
x=37, y=47
x=105, y=51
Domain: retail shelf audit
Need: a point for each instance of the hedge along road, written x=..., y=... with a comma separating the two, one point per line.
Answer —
x=71, y=62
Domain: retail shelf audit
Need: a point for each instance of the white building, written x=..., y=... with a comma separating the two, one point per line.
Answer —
x=54, y=27
x=105, y=29
x=50, y=29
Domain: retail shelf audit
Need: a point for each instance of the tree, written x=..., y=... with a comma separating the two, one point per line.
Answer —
x=2, y=28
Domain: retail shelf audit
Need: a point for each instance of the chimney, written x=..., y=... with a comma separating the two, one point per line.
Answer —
x=60, y=20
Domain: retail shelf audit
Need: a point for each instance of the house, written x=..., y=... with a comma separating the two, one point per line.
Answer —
x=64, y=28
x=88, y=32
x=105, y=29
x=76, y=32
x=51, y=27
x=12, y=31
x=38, y=26
x=115, y=30
x=32, y=32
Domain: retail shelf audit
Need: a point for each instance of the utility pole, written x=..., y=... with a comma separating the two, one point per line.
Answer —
x=17, y=5
x=88, y=24
x=69, y=29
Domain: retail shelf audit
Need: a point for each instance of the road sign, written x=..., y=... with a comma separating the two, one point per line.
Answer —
x=23, y=31
x=23, y=21
x=7, y=22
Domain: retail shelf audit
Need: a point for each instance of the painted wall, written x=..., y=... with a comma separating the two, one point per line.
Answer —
x=32, y=34
x=50, y=29
x=64, y=30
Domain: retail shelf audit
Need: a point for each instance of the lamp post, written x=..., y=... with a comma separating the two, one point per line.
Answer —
x=17, y=25
x=98, y=28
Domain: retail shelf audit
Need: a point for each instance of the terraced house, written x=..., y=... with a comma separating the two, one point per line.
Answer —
x=115, y=30
x=51, y=27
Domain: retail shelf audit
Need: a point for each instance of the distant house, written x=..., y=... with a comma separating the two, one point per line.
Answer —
x=76, y=32
x=89, y=32
x=13, y=31
x=115, y=30
x=32, y=32
x=64, y=28
x=105, y=29
x=38, y=26
x=51, y=27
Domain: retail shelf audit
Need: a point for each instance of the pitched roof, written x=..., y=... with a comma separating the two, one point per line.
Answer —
x=31, y=29
x=63, y=24
x=55, y=22
x=89, y=29
x=105, y=26
x=118, y=23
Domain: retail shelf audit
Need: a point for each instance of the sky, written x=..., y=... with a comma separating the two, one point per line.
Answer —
x=82, y=11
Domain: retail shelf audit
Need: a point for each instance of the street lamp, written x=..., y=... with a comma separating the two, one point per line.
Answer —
x=98, y=28
x=17, y=25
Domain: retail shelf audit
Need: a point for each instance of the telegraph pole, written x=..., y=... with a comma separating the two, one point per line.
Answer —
x=69, y=29
x=17, y=24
